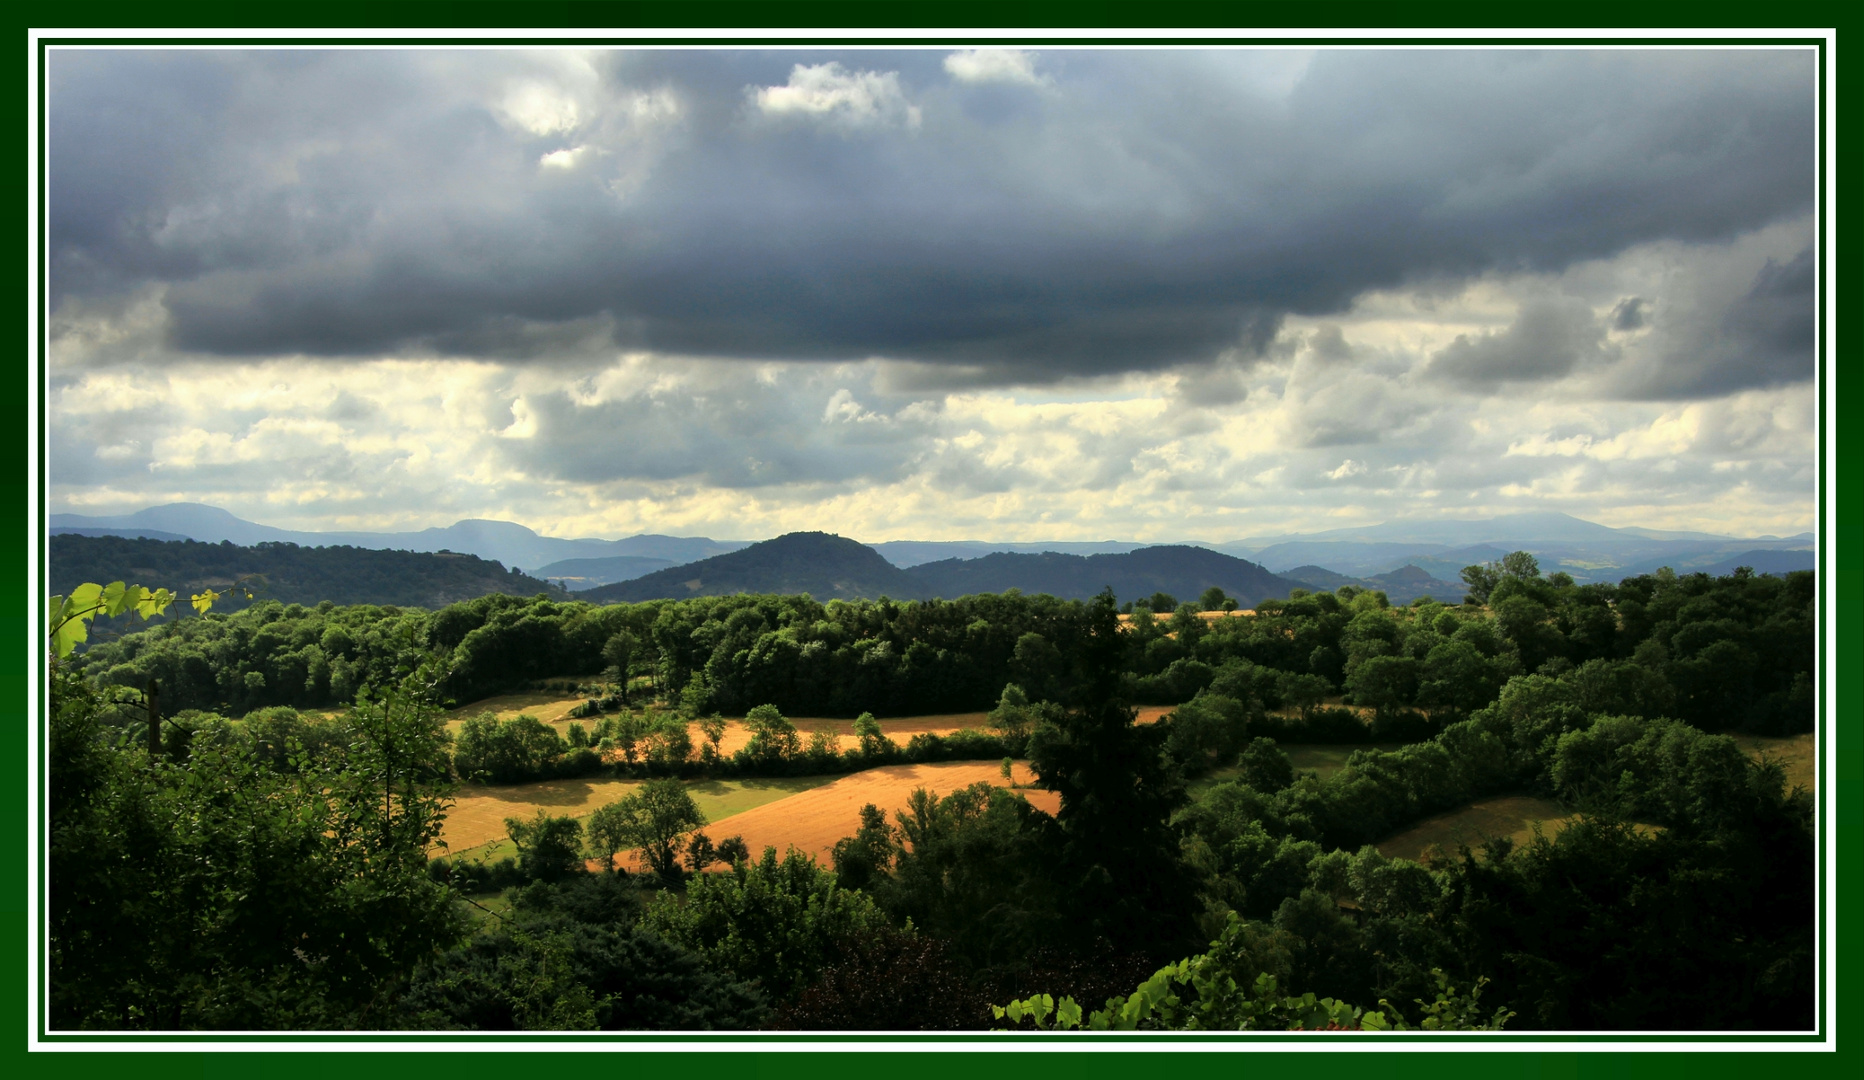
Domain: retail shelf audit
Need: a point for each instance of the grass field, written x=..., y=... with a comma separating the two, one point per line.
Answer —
x=1513, y=816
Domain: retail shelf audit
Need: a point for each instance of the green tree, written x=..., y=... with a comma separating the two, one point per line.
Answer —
x=1117, y=852
x=776, y=922
x=773, y=738
x=654, y=818
x=549, y=848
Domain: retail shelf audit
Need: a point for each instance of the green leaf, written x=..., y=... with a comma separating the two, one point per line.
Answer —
x=69, y=633
x=116, y=596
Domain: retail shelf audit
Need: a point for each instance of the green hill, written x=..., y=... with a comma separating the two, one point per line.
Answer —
x=825, y=566
x=286, y=572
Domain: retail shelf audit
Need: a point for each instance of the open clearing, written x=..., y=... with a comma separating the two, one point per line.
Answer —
x=813, y=820
x=476, y=824
x=1513, y=816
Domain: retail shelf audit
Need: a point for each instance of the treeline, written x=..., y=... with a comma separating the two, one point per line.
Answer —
x=1680, y=899
x=1731, y=653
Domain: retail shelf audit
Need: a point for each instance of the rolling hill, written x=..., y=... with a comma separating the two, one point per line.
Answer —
x=502, y=541
x=1183, y=571
x=825, y=566
x=286, y=572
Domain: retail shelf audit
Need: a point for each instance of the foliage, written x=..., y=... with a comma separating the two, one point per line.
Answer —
x=777, y=923
x=1212, y=992
x=549, y=848
x=568, y=959
x=291, y=574
x=213, y=891
x=654, y=818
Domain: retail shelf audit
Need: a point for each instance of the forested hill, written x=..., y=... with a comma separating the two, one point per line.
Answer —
x=825, y=566
x=287, y=572
x=1182, y=571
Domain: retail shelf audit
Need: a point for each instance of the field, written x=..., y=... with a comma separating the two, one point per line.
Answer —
x=553, y=708
x=811, y=821
x=476, y=826
x=1514, y=816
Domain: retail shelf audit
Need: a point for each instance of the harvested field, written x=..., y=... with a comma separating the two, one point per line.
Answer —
x=1513, y=816
x=900, y=729
x=479, y=813
x=478, y=816
x=813, y=820
x=1126, y=621
x=1794, y=752
x=552, y=708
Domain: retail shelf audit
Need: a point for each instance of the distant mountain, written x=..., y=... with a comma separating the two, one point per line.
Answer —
x=825, y=566
x=285, y=572
x=1589, y=552
x=1180, y=570
x=910, y=553
x=582, y=574
x=1400, y=586
x=1761, y=562
x=143, y=534
x=502, y=541
x=1546, y=526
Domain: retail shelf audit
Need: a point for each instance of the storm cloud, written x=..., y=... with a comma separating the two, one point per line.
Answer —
x=1015, y=293
x=1018, y=216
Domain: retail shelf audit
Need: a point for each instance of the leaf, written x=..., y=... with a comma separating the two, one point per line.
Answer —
x=115, y=596
x=204, y=600
x=67, y=636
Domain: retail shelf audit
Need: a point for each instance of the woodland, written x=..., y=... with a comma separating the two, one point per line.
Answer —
x=245, y=808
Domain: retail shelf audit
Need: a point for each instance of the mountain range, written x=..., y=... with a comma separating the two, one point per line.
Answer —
x=500, y=541
x=1440, y=548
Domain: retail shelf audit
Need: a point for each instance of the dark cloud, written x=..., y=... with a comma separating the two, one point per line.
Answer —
x=1763, y=337
x=1629, y=314
x=1548, y=340
x=1139, y=210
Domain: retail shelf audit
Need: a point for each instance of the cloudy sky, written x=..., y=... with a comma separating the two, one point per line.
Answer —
x=1052, y=294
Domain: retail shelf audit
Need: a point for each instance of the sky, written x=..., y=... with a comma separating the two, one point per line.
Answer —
x=1043, y=294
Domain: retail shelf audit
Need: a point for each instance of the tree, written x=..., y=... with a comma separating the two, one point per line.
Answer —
x=713, y=728
x=776, y=922
x=210, y=889
x=874, y=745
x=1383, y=682
x=1483, y=579
x=549, y=848
x=1302, y=691
x=1121, y=877
x=617, y=652
x=773, y=737
x=1213, y=599
x=653, y=818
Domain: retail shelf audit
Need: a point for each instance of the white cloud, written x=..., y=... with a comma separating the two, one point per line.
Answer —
x=832, y=93
x=563, y=159
x=1347, y=468
x=539, y=108
x=994, y=65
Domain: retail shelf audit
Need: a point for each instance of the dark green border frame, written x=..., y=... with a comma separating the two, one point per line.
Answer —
x=403, y=22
